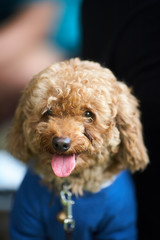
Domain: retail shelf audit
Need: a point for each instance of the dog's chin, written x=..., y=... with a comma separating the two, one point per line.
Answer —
x=63, y=165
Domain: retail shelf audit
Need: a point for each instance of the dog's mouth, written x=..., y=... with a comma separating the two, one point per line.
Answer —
x=63, y=165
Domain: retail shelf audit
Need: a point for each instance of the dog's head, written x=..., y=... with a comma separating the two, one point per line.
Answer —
x=75, y=115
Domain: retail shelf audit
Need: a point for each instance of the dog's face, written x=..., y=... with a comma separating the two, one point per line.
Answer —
x=75, y=115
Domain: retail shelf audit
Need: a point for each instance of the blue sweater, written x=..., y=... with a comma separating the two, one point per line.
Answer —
x=109, y=214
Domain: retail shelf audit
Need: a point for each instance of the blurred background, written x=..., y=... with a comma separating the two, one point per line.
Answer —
x=33, y=35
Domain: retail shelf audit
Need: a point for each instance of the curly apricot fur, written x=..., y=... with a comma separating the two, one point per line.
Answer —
x=67, y=89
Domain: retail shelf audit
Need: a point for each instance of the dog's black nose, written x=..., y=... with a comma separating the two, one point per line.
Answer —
x=61, y=144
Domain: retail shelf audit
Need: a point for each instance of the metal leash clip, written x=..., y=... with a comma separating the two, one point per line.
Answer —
x=67, y=202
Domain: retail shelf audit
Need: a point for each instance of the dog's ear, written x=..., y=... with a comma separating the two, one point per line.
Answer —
x=16, y=143
x=132, y=151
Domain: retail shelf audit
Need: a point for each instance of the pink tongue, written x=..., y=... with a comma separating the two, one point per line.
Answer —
x=62, y=166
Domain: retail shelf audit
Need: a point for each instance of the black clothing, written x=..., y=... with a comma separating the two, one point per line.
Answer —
x=125, y=37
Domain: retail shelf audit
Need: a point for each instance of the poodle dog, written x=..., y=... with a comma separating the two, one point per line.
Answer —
x=75, y=122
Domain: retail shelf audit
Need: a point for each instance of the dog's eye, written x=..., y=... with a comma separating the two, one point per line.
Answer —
x=89, y=114
x=49, y=112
